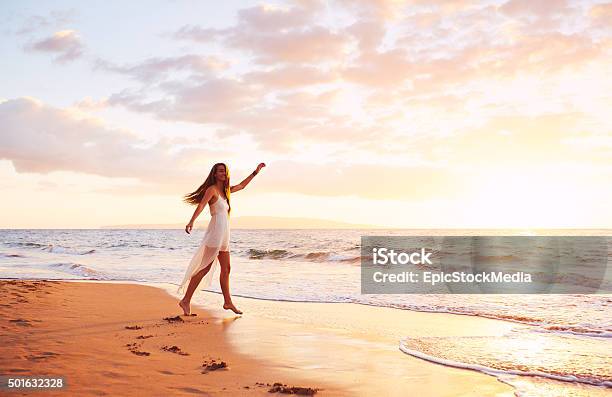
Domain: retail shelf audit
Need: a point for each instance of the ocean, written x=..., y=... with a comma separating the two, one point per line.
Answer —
x=559, y=340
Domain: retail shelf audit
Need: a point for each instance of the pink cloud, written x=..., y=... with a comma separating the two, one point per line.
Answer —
x=258, y=19
x=601, y=15
x=310, y=45
x=274, y=18
x=428, y=56
x=375, y=9
x=603, y=10
x=290, y=76
x=158, y=68
x=209, y=101
x=40, y=138
x=66, y=44
x=374, y=69
x=273, y=34
x=53, y=19
x=541, y=16
x=199, y=34
x=90, y=104
x=369, y=33
x=520, y=8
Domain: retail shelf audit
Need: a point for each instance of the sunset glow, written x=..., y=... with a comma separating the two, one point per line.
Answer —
x=405, y=114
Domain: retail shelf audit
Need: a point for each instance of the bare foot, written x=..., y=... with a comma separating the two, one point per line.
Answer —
x=230, y=306
x=186, y=308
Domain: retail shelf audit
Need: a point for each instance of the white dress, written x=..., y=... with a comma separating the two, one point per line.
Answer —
x=215, y=239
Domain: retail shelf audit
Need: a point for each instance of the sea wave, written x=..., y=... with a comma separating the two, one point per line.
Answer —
x=315, y=256
x=5, y=255
x=58, y=249
x=81, y=270
x=268, y=254
x=52, y=248
x=498, y=356
x=577, y=330
x=28, y=244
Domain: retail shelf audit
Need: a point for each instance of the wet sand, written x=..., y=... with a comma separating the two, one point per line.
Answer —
x=129, y=339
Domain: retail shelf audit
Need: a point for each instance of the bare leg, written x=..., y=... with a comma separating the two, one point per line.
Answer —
x=224, y=260
x=193, y=284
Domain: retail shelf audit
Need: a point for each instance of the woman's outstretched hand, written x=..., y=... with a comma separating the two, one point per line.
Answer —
x=260, y=166
x=189, y=227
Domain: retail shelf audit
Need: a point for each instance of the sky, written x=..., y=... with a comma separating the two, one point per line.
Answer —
x=404, y=114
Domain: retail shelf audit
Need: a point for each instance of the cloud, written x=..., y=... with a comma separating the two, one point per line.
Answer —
x=90, y=104
x=55, y=18
x=274, y=123
x=362, y=74
x=526, y=8
x=159, y=68
x=482, y=42
x=603, y=10
x=264, y=18
x=273, y=34
x=39, y=138
x=376, y=9
x=601, y=14
x=538, y=55
x=310, y=45
x=369, y=34
x=396, y=10
x=360, y=162
x=291, y=76
x=273, y=18
x=66, y=44
x=213, y=100
x=542, y=16
x=395, y=97
x=198, y=33
x=381, y=69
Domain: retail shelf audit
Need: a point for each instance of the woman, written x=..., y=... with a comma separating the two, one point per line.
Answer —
x=214, y=249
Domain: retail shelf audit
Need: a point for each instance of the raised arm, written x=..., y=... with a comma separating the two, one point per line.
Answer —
x=210, y=191
x=246, y=180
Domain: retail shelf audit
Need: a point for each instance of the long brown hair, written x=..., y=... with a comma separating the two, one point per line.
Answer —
x=196, y=197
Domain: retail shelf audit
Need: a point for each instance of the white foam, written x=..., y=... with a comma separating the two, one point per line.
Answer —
x=497, y=372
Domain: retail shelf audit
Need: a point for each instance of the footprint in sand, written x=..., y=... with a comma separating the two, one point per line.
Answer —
x=176, y=319
x=144, y=336
x=213, y=365
x=133, y=347
x=139, y=353
x=22, y=322
x=278, y=387
x=133, y=327
x=41, y=356
x=174, y=349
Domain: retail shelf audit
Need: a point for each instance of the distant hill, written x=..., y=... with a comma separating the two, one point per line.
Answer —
x=258, y=222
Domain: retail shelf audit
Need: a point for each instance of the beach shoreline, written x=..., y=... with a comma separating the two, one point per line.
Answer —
x=78, y=330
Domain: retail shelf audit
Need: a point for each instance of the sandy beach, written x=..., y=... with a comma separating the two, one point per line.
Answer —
x=126, y=339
